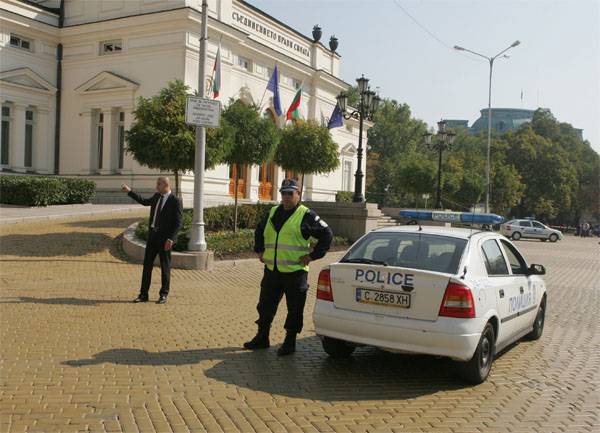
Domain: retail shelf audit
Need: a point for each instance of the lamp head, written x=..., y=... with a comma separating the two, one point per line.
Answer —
x=515, y=43
x=342, y=98
x=362, y=84
x=459, y=48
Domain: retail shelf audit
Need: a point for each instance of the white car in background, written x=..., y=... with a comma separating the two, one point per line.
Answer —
x=526, y=228
x=459, y=293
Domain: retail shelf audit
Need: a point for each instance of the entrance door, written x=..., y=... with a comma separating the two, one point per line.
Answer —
x=240, y=172
x=266, y=174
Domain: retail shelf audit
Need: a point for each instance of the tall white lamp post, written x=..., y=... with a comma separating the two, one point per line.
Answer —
x=489, y=137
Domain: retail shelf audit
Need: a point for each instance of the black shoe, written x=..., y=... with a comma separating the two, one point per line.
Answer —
x=260, y=341
x=162, y=299
x=141, y=298
x=289, y=345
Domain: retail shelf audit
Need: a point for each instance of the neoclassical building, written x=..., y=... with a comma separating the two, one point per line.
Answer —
x=71, y=71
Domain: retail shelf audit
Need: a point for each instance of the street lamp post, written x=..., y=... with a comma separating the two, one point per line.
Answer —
x=197, y=240
x=443, y=141
x=489, y=136
x=367, y=106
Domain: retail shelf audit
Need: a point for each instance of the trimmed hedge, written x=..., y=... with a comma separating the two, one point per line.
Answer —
x=344, y=196
x=44, y=191
x=220, y=237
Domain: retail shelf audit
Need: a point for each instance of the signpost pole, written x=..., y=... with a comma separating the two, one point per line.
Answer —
x=197, y=239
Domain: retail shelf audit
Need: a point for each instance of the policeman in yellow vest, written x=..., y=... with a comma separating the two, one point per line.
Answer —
x=282, y=242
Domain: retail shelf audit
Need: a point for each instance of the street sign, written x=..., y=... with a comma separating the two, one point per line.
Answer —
x=202, y=112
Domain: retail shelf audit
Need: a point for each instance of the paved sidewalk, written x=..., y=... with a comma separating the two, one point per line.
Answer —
x=78, y=356
x=10, y=214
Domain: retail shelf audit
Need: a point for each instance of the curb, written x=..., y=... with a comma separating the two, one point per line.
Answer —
x=38, y=218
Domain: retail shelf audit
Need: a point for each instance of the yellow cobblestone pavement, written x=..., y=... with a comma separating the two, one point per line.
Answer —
x=78, y=356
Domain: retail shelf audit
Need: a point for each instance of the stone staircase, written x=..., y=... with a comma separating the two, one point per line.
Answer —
x=386, y=221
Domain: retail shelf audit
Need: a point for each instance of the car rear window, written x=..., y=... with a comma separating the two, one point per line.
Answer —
x=410, y=250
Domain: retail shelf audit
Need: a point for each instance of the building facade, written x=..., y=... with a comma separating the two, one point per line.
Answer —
x=71, y=71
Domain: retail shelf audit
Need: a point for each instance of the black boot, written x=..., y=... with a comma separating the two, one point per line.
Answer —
x=260, y=341
x=289, y=345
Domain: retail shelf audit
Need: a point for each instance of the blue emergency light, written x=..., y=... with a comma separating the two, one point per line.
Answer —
x=452, y=217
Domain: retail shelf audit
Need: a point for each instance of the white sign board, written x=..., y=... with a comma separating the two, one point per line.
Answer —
x=202, y=112
x=445, y=216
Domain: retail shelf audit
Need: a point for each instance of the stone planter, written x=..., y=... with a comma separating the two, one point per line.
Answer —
x=135, y=248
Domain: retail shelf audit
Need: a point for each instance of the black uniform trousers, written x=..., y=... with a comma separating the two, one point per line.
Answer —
x=156, y=246
x=272, y=288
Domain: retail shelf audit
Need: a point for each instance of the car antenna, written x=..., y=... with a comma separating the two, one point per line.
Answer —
x=415, y=222
x=462, y=277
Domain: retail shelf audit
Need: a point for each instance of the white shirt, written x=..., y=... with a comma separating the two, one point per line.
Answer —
x=165, y=197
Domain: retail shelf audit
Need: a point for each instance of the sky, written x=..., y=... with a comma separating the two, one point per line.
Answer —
x=557, y=65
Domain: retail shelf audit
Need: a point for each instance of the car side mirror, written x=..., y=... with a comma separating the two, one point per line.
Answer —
x=537, y=270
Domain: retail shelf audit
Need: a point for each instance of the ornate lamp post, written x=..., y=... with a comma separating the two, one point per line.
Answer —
x=367, y=106
x=442, y=142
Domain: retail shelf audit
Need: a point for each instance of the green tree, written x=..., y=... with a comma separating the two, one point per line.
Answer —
x=307, y=148
x=416, y=174
x=160, y=139
x=255, y=139
x=394, y=135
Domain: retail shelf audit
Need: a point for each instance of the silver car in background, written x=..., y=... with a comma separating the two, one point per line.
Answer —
x=531, y=229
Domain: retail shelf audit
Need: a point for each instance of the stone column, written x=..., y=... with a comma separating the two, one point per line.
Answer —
x=89, y=161
x=252, y=180
x=108, y=142
x=17, y=138
x=42, y=146
x=127, y=157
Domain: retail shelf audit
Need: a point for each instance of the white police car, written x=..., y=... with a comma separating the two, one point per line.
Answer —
x=455, y=292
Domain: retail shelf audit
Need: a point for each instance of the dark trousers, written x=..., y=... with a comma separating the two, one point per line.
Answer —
x=154, y=246
x=272, y=288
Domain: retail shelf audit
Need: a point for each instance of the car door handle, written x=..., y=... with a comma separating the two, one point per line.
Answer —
x=521, y=290
x=501, y=293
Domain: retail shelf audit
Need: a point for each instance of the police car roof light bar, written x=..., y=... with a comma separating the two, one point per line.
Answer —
x=456, y=217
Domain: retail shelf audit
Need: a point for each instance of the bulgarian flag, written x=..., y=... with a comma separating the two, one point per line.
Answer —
x=216, y=75
x=292, y=112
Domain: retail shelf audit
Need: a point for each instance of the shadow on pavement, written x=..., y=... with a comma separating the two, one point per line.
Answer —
x=55, y=244
x=106, y=223
x=370, y=374
x=64, y=301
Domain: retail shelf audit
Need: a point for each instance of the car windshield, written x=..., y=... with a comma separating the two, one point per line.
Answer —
x=408, y=250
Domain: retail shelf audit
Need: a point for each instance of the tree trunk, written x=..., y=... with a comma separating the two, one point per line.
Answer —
x=301, y=185
x=177, y=184
x=235, y=195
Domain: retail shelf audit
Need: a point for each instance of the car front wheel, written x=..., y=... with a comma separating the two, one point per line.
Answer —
x=337, y=348
x=553, y=237
x=516, y=236
x=477, y=369
x=538, y=325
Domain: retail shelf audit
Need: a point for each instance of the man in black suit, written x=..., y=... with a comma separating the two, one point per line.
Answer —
x=165, y=221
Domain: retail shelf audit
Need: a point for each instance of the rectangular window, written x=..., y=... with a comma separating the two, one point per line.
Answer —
x=494, y=259
x=111, y=47
x=347, y=176
x=28, y=138
x=121, y=132
x=244, y=63
x=4, y=143
x=100, y=139
x=20, y=42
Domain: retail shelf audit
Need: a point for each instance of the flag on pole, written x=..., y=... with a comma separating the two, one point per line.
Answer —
x=273, y=86
x=216, y=78
x=293, y=112
x=337, y=119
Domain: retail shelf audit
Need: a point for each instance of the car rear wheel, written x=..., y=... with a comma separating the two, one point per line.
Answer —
x=538, y=324
x=477, y=369
x=553, y=237
x=337, y=348
x=516, y=236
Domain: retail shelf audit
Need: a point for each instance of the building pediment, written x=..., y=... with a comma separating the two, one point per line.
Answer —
x=107, y=82
x=25, y=78
x=349, y=149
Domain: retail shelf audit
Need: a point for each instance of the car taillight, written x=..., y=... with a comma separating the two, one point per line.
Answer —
x=324, y=292
x=457, y=302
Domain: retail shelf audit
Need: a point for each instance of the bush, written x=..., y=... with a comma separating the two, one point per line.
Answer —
x=344, y=196
x=44, y=191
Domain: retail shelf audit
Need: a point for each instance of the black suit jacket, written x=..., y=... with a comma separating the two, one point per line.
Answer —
x=171, y=213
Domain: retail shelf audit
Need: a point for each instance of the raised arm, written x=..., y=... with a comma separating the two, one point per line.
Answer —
x=141, y=200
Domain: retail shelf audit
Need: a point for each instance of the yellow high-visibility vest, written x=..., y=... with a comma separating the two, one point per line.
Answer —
x=286, y=247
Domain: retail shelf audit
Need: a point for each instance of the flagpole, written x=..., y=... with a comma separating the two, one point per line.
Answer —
x=265, y=92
